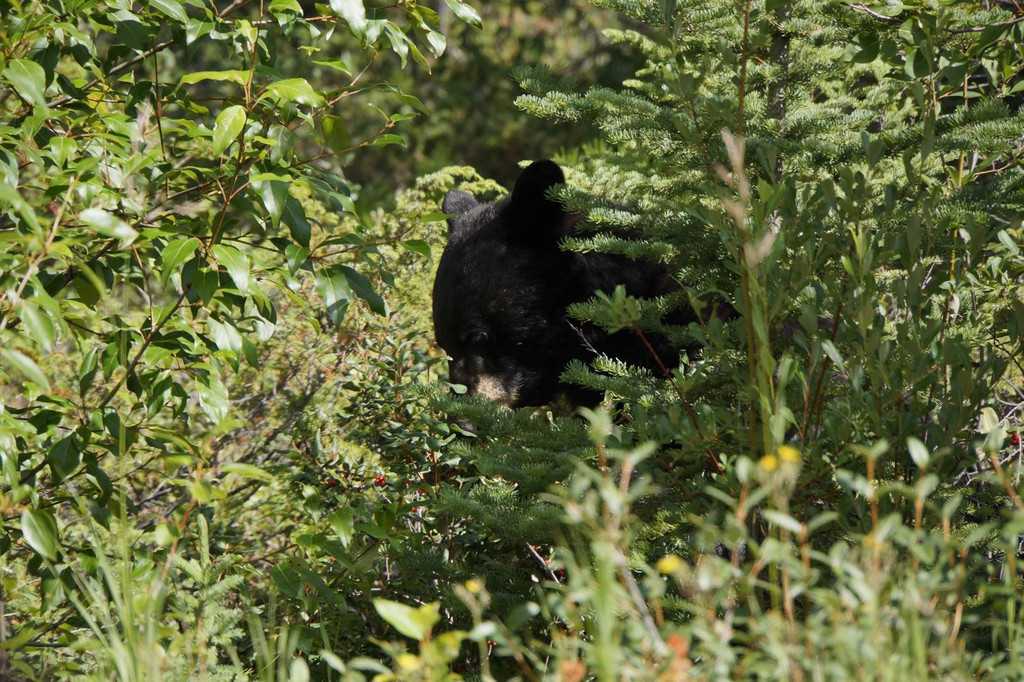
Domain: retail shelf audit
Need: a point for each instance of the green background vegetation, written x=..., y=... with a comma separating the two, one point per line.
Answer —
x=227, y=447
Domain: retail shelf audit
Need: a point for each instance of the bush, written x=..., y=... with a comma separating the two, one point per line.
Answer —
x=171, y=178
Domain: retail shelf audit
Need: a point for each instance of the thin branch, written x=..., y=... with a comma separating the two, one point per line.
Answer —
x=873, y=14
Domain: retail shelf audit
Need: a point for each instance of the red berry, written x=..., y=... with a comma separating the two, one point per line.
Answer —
x=1015, y=440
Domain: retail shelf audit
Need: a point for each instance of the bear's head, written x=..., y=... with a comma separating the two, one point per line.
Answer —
x=501, y=290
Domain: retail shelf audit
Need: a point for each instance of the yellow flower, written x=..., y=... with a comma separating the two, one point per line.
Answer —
x=788, y=453
x=474, y=586
x=769, y=462
x=407, y=661
x=669, y=563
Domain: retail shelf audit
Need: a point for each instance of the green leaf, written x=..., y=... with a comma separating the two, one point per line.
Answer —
x=244, y=28
x=417, y=246
x=399, y=42
x=285, y=7
x=165, y=534
x=988, y=420
x=26, y=366
x=298, y=670
x=342, y=522
x=171, y=8
x=130, y=29
x=287, y=580
x=39, y=325
x=437, y=42
x=296, y=257
x=414, y=102
x=235, y=262
x=274, y=194
x=333, y=287
x=296, y=90
x=353, y=12
x=465, y=13
x=176, y=253
x=782, y=520
x=867, y=54
x=833, y=353
x=64, y=457
x=227, y=127
x=364, y=290
x=917, y=65
x=239, y=77
x=108, y=224
x=414, y=623
x=294, y=217
x=246, y=471
x=29, y=79
x=213, y=398
x=1006, y=240
x=9, y=194
x=202, y=491
x=918, y=452
x=332, y=660
x=205, y=282
x=336, y=134
x=385, y=140
x=225, y=336
x=40, y=532
x=335, y=64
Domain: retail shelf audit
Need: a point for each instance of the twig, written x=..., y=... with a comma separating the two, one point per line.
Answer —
x=542, y=561
x=873, y=14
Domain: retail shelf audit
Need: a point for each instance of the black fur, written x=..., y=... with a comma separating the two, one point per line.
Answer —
x=503, y=285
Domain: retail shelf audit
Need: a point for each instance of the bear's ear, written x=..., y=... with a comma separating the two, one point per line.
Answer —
x=457, y=204
x=534, y=214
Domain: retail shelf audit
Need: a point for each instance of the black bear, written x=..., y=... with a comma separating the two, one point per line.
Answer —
x=503, y=285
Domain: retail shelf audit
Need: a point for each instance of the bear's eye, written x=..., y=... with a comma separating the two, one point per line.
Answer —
x=477, y=339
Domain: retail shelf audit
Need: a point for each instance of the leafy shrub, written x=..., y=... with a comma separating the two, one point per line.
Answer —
x=170, y=176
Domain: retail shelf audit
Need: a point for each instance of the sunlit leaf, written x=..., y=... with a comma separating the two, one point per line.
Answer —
x=918, y=452
x=296, y=90
x=353, y=12
x=39, y=529
x=412, y=622
x=334, y=288
x=26, y=366
x=239, y=77
x=108, y=224
x=235, y=262
x=227, y=127
x=465, y=13
x=28, y=78
x=39, y=325
x=177, y=252
x=171, y=8
x=246, y=471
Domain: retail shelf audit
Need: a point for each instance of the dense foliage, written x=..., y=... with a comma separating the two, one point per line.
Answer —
x=228, y=450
